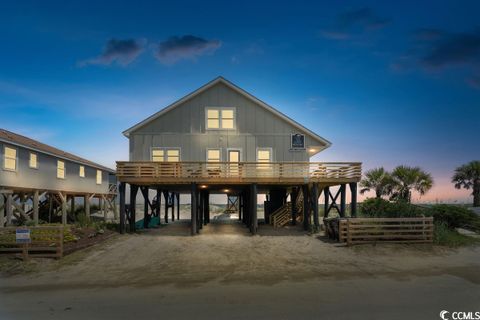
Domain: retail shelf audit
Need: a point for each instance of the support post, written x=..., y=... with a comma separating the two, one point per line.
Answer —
x=343, y=200
x=145, y=207
x=253, y=210
x=193, y=210
x=35, y=207
x=133, y=205
x=105, y=209
x=314, y=201
x=206, y=207
x=326, y=193
x=353, y=205
x=177, y=195
x=9, y=209
x=72, y=206
x=201, y=217
x=165, y=194
x=158, y=204
x=293, y=200
x=306, y=207
x=121, y=189
x=64, y=208
x=87, y=206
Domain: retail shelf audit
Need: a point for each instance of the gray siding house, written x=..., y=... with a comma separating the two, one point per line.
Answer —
x=220, y=139
x=229, y=122
x=32, y=172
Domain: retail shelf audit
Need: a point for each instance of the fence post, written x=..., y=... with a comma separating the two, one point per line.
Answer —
x=349, y=235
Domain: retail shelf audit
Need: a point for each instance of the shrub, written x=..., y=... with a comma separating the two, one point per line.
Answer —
x=445, y=236
x=380, y=208
x=455, y=217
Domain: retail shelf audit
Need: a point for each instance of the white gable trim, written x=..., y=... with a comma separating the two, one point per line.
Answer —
x=325, y=143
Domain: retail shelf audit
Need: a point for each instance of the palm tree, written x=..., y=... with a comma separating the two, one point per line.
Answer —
x=406, y=179
x=377, y=179
x=468, y=176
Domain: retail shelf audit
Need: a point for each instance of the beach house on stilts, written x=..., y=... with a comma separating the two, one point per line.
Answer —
x=220, y=139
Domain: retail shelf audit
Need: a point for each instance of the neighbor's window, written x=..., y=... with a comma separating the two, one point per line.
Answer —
x=60, y=169
x=173, y=155
x=33, y=160
x=81, y=173
x=158, y=155
x=99, y=177
x=213, y=155
x=10, y=158
x=264, y=155
x=221, y=118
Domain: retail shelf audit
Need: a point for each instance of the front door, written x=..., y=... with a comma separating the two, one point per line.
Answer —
x=233, y=159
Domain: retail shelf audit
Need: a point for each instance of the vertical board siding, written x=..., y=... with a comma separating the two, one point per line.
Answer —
x=184, y=127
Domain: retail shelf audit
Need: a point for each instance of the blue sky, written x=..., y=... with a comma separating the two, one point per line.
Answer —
x=387, y=82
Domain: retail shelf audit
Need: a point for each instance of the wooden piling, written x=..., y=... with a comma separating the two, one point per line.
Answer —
x=193, y=208
x=122, y=206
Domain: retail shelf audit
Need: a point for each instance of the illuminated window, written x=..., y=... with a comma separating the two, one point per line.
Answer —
x=60, y=169
x=10, y=158
x=173, y=155
x=213, y=155
x=82, y=172
x=213, y=119
x=264, y=155
x=99, y=177
x=221, y=118
x=33, y=160
x=158, y=155
x=227, y=119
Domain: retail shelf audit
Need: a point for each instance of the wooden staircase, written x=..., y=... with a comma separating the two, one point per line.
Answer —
x=282, y=216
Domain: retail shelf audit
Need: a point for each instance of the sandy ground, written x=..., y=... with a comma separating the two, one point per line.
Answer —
x=225, y=273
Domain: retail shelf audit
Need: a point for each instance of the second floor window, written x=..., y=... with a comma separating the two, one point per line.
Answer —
x=10, y=158
x=220, y=118
x=33, y=160
x=99, y=176
x=60, y=169
x=166, y=154
x=81, y=172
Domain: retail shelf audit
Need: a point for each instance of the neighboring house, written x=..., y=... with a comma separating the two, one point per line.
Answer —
x=33, y=173
x=221, y=139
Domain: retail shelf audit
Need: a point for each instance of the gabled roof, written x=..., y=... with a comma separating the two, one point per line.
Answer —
x=22, y=141
x=239, y=90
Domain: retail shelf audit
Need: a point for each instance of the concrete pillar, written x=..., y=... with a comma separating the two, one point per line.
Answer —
x=86, y=205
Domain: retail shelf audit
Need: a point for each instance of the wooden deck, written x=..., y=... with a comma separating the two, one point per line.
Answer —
x=282, y=173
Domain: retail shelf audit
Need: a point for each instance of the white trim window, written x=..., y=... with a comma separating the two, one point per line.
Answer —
x=264, y=155
x=81, y=171
x=9, y=158
x=214, y=155
x=33, y=161
x=99, y=176
x=173, y=155
x=220, y=118
x=60, y=169
x=158, y=155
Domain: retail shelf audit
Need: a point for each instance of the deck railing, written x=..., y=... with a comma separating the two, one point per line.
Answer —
x=242, y=172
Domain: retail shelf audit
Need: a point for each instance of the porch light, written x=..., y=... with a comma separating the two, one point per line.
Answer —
x=226, y=190
x=203, y=186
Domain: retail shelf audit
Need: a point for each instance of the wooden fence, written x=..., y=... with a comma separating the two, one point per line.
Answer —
x=46, y=242
x=400, y=230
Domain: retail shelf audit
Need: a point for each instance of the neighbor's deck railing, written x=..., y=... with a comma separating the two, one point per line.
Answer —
x=242, y=172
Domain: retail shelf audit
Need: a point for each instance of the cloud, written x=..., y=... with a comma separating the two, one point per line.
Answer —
x=453, y=49
x=123, y=52
x=352, y=22
x=186, y=47
x=437, y=50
